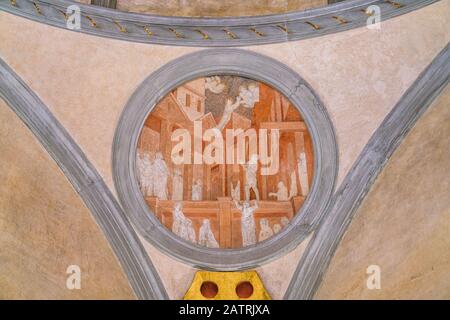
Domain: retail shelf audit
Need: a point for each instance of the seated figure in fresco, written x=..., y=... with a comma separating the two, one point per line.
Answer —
x=181, y=225
x=197, y=190
x=282, y=192
x=161, y=173
x=206, y=236
x=251, y=181
x=266, y=231
x=248, y=223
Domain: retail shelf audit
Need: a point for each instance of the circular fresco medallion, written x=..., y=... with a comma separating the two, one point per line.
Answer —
x=224, y=161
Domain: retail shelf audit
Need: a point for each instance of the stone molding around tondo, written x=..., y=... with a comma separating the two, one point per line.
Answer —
x=224, y=62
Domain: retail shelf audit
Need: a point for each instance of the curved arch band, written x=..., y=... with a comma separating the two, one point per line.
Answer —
x=211, y=32
x=87, y=182
x=347, y=199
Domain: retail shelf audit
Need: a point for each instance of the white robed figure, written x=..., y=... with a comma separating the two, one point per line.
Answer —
x=177, y=185
x=197, y=190
x=266, y=231
x=178, y=219
x=251, y=182
x=146, y=172
x=181, y=225
x=161, y=175
x=282, y=192
x=249, y=95
x=214, y=84
x=303, y=173
x=293, y=191
x=248, y=223
x=190, y=232
x=206, y=236
x=228, y=110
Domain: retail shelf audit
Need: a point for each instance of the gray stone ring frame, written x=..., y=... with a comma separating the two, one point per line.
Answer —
x=224, y=62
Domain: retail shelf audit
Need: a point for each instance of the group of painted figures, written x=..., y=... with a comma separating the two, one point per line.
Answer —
x=183, y=227
x=153, y=178
x=154, y=175
x=248, y=226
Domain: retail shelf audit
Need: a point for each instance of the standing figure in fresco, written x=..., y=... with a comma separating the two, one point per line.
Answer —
x=228, y=110
x=282, y=192
x=197, y=190
x=248, y=223
x=293, y=191
x=147, y=178
x=177, y=185
x=161, y=173
x=181, y=225
x=236, y=192
x=251, y=181
x=178, y=219
x=190, y=232
x=266, y=231
x=206, y=236
x=303, y=173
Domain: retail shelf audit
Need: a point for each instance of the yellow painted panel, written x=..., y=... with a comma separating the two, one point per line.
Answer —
x=227, y=283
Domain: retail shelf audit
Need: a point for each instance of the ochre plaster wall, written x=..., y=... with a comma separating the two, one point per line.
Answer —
x=403, y=225
x=44, y=227
x=277, y=274
x=359, y=75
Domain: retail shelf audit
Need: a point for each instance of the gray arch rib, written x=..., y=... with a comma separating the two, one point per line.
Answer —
x=415, y=101
x=211, y=32
x=141, y=273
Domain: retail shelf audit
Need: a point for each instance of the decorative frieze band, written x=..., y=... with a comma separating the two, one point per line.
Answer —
x=211, y=32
